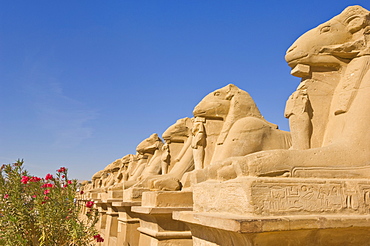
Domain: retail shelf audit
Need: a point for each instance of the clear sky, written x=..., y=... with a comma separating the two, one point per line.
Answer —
x=83, y=82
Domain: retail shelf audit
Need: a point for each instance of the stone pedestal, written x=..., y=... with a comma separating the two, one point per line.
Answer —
x=280, y=211
x=156, y=224
x=127, y=222
x=103, y=196
x=93, y=194
x=111, y=225
x=133, y=194
x=118, y=224
x=81, y=202
x=102, y=209
x=115, y=194
x=212, y=229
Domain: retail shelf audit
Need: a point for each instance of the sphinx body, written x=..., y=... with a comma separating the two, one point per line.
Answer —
x=227, y=123
x=244, y=130
x=178, y=137
x=97, y=182
x=112, y=171
x=331, y=132
x=136, y=170
x=105, y=179
x=85, y=186
x=149, y=149
x=128, y=163
x=97, y=179
x=125, y=170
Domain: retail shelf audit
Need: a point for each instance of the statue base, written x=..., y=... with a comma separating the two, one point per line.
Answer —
x=280, y=211
x=212, y=229
x=156, y=224
x=115, y=194
x=133, y=194
x=123, y=226
x=102, y=208
x=283, y=196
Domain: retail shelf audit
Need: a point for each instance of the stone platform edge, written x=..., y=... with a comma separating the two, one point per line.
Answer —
x=257, y=224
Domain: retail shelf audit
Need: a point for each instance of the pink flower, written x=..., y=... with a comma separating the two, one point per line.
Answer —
x=25, y=179
x=89, y=204
x=98, y=238
x=63, y=176
x=69, y=182
x=48, y=176
x=35, y=179
x=47, y=186
x=34, y=196
x=62, y=170
x=46, y=192
x=6, y=196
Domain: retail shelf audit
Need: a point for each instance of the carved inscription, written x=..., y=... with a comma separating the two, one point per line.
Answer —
x=365, y=197
x=321, y=197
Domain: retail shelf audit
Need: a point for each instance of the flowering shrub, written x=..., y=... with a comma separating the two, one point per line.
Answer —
x=42, y=211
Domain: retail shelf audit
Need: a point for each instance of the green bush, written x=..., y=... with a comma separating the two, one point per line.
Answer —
x=42, y=211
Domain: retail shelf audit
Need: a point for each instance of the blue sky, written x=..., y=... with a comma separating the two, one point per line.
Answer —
x=83, y=82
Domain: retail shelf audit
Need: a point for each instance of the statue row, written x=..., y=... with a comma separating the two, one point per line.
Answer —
x=228, y=137
x=226, y=123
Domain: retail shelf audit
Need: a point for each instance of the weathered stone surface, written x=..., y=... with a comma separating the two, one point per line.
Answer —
x=168, y=199
x=301, y=71
x=214, y=229
x=283, y=196
x=156, y=224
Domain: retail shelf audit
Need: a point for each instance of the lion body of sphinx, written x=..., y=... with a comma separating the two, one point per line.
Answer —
x=233, y=126
x=333, y=61
x=244, y=129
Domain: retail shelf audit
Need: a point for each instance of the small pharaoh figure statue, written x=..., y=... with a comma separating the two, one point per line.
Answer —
x=166, y=157
x=198, y=142
x=296, y=110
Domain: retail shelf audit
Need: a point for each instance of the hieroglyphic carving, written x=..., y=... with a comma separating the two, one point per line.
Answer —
x=309, y=197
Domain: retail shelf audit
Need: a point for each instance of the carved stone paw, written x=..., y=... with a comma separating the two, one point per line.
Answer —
x=226, y=173
x=263, y=163
x=165, y=184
